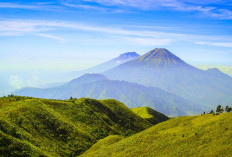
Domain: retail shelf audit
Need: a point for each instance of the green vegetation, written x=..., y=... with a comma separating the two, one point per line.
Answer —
x=150, y=115
x=206, y=135
x=101, y=144
x=89, y=127
x=211, y=112
x=228, y=109
x=42, y=127
x=220, y=109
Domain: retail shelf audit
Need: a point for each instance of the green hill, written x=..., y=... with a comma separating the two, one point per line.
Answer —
x=150, y=115
x=207, y=135
x=101, y=144
x=41, y=127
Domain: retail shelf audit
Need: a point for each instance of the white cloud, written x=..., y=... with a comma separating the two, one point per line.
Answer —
x=150, y=41
x=19, y=6
x=141, y=36
x=25, y=25
x=30, y=6
x=36, y=26
x=81, y=6
x=62, y=40
x=220, y=44
x=207, y=8
x=221, y=14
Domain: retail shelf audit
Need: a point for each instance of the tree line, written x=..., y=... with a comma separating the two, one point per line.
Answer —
x=220, y=109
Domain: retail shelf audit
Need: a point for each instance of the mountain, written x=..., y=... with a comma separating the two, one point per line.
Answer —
x=160, y=68
x=159, y=57
x=97, y=86
x=227, y=69
x=150, y=115
x=42, y=127
x=87, y=78
x=125, y=57
x=207, y=135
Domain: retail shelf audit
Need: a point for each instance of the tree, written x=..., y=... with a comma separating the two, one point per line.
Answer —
x=228, y=109
x=219, y=109
x=211, y=112
x=71, y=98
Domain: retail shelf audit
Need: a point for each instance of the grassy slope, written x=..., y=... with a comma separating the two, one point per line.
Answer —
x=150, y=115
x=105, y=143
x=207, y=135
x=34, y=127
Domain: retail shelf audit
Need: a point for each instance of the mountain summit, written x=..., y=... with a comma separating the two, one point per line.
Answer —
x=160, y=57
x=127, y=56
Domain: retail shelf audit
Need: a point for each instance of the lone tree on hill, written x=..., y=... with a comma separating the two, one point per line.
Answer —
x=211, y=112
x=219, y=109
x=228, y=109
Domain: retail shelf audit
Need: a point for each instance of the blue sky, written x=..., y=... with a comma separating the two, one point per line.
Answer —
x=69, y=35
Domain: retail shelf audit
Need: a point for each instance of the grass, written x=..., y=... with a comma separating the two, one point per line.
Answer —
x=150, y=115
x=42, y=127
x=89, y=127
x=206, y=135
x=105, y=143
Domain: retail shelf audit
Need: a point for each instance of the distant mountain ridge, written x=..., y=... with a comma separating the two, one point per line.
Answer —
x=88, y=78
x=97, y=86
x=160, y=68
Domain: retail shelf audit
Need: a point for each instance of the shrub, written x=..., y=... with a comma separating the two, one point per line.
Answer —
x=219, y=109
